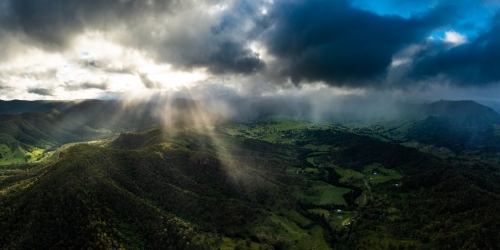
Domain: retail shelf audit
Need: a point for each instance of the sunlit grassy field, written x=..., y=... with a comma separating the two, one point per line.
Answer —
x=376, y=173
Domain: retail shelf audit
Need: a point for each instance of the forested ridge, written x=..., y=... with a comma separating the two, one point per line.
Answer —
x=158, y=196
x=275, y=183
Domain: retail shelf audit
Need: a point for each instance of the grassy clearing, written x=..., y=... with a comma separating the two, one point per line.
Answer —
x=322, y=193
x=298, y=238
x=311, y=160
x=296, y=218
x=19, y=156
x=320, y=211
x=11, y=157
x=343, y=221
x=289, y=226
x=306, y=171
x=441, y=152
x=333, y=194
x=321, y=148
x=5, y=150
x=230, y=244
x=302, y=239
x=348, y=175
x=276, y=130
x=319, y=240
x=376, y=173
x=412, y=144
x=35, y=154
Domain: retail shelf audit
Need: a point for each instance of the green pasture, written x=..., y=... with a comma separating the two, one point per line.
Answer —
x=276, y=130
x=320, y=148
x=11, y=157
x=286, y=227
x=348, y=174
x=383, y=174
x=322, y=193
x=441, y=152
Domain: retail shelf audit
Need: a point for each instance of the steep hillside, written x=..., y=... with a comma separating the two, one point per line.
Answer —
x=89, y=120
x=459, y=126
x=33, y=128
x=22, y=106
x=120, y=115
x=163, y=196
x=464, y=113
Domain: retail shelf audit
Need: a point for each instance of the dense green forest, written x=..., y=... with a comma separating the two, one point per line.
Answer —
x=274, y=183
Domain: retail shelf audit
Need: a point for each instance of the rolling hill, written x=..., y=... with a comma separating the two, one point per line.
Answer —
x=457, y=125
x=89, y=120
x=275, y=183
x=161, y=195
x=119, y=115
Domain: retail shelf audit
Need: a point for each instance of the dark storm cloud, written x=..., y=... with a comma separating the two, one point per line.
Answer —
x=303, y=40
x=148, y=83
x=3, y=87
x=473, y=63
x=232, y=57
x=106, y=66
x=41, y=91
x=86, y=85
x=101, y=86
x=91, y=63
x=225, y=49
x=53, y=23
x=331, y=41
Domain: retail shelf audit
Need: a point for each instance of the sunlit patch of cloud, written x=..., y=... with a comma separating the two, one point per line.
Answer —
x=454, y=38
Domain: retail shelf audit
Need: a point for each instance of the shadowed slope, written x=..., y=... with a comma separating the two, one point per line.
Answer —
x=32, y=128
x=458, y=125
x=162, y=196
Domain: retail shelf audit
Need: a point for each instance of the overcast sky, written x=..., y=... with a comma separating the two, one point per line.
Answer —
x=417, y=49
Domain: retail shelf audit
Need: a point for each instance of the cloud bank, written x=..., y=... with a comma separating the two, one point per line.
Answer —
x=106, y=49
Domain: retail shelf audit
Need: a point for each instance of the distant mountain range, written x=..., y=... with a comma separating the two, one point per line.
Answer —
x=457, y=125
x=118, y=114
x=41, y=124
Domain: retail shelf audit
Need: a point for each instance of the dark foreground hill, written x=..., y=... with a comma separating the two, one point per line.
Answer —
x=166, y=189
x=162, y=196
